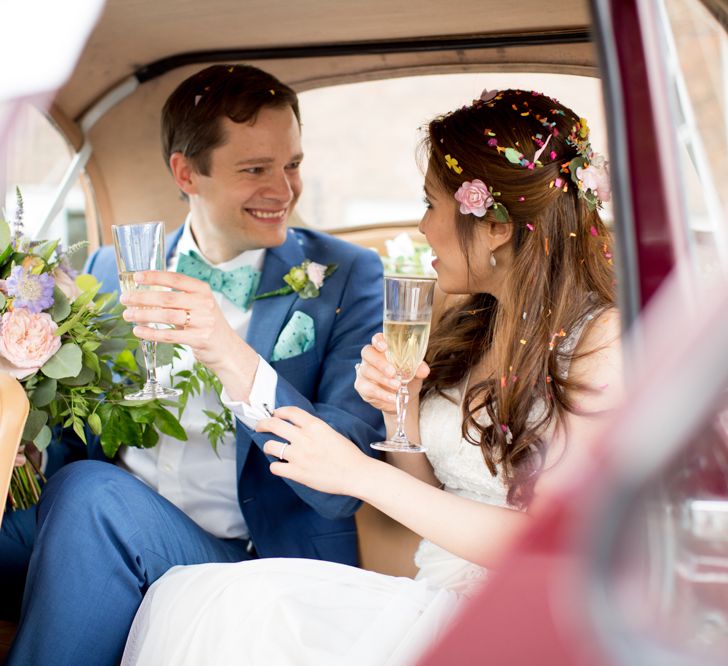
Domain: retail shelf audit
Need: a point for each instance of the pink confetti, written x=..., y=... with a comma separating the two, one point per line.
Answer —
x=530, y=227
x=558, y=182
x=521, y=198
x=504, y=427
x=593, y=231
x=492, y=142
x=552, y=154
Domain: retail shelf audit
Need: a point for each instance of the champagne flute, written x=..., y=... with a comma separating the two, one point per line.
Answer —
x=407, y=315
x=140, y=247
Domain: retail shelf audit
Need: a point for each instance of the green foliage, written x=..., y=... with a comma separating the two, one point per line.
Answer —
x=191, y=382
x=82, y=385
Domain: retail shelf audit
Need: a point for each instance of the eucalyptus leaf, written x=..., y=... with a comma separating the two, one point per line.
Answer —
x=43, y=438
x=61, y=307
x=112, y=347
x=45, y=392
x=84, y=376
x=33, y=424
x=66, y=362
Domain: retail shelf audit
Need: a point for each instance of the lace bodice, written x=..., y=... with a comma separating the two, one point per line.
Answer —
x=459, y=466
x=457, y=463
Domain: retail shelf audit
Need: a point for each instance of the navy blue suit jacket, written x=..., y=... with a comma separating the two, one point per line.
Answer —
x=287, y=519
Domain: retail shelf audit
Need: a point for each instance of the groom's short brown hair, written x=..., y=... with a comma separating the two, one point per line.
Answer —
x=191, y=116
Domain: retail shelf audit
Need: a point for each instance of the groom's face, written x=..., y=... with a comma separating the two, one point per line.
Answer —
x=253, y=184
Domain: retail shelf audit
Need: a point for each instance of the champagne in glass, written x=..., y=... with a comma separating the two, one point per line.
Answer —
x=407, y=315
x=140, y=247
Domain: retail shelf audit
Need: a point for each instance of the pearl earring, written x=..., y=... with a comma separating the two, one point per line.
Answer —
x=492, y=260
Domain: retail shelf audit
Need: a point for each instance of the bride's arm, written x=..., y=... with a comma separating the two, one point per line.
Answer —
x=323, y=459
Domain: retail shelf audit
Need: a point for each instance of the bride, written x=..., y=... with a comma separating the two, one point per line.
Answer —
x=522, y=367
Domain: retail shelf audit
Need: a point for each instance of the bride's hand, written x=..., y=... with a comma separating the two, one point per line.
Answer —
x=376, y=380
x=315, y=454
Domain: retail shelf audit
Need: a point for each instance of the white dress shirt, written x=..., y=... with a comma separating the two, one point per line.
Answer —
x=190, y=474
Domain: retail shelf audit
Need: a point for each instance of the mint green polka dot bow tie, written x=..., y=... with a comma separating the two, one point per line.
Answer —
x=238, y=285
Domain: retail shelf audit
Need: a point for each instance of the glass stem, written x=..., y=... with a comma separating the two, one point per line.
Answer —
x=149, y=349
x=402, y=399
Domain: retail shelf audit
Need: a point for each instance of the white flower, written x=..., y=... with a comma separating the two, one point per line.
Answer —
x=316, y=273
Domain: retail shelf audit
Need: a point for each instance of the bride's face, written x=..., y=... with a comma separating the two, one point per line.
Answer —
x=454, y=275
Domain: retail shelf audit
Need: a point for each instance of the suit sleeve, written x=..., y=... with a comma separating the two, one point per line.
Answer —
x=335, y=400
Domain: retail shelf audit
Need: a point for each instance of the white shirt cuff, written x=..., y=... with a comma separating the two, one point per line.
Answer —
x=262, y=395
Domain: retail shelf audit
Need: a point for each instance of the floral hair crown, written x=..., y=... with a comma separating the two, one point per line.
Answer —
x=587, y=171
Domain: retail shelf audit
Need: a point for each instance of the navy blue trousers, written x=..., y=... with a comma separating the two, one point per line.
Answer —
x=102, y=538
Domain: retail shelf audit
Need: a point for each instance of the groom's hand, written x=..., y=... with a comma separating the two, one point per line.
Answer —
x=194, y=319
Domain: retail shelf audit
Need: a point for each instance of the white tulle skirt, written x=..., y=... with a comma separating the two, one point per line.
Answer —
x=272, y=612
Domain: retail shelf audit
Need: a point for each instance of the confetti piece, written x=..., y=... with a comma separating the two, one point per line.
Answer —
x=523, y=341
x=503, y=381
x=338, y=310
x=572, y=234
x=552, y=154
x=524, y=315
x=548, y=379
x=521, y=198
x=504, y=427
x=559, y=182
x=272, y=92
x=492, y=142
x=197, y=99
x=530, y=227
x=593, y=231
x=546, y=245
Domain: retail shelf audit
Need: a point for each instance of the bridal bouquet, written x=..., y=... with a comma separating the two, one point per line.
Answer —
x=72, y=352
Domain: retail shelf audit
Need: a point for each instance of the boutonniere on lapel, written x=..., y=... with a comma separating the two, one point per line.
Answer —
x=306, y=280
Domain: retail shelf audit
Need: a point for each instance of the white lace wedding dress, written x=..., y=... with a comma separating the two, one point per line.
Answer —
x=272, y=612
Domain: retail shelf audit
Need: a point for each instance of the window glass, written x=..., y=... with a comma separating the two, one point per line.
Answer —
x=35, y=161
x=696, y=48
x=361, y=139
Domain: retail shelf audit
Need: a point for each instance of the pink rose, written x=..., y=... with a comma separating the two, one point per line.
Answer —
x=595, y=177
x=316, y=273
x=27, y=341
x=474, y=198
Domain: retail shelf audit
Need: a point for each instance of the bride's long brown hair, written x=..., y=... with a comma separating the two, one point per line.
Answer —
x=561, y=271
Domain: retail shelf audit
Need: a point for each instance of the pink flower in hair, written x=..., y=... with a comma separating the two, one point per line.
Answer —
x=595, y=177
x=474, y=198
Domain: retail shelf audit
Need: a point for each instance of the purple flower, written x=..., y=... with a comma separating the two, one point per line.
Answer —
x=32, y=292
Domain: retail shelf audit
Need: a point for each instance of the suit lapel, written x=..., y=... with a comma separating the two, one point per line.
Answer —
x=269, y=314
x=171, y=241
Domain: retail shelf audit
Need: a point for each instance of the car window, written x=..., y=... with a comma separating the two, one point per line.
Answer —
x=696, y=46
x=360, y=139
x=36, y=158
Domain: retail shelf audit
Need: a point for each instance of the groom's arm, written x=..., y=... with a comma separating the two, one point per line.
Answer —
x=335, y=401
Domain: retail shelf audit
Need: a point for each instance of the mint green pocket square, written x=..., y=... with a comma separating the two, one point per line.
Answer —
x=297, y=337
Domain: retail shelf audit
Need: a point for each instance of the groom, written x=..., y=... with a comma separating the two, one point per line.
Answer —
x=231, y=138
